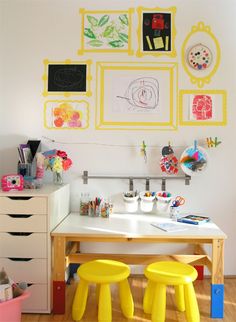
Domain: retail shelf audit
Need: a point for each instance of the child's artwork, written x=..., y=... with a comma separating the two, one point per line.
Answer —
x=200, y=54
x=67, y=78
x=136, y=95
x=106, y=31
x=156, y=31
x=202, y=107
x=62, y=114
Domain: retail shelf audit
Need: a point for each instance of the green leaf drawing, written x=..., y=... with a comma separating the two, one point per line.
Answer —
x=123, y=37
x=108, y=31
x=95, y=43
x=103, y=20
x=92, y=20
x=124, y=19
x=88, y=33
x=116, y=43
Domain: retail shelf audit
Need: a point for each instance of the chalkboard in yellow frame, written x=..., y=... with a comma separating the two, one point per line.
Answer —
x=136, y=95
x=67, y=78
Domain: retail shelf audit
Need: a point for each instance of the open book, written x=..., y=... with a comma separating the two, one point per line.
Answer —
x=169, y=227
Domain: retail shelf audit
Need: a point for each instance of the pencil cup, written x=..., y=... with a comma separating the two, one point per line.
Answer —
x=131, y=201
x=94, y=211
x=163, y=201
x=147, y=201
x=174, y=213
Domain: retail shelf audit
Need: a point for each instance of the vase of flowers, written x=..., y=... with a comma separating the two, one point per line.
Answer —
x=57, y=161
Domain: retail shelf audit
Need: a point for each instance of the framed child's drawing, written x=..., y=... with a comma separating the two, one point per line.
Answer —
x=202, y=107
x=66, y=114
x=156, y=31
x=67, y=78
x=136, y=95
x=106, y=31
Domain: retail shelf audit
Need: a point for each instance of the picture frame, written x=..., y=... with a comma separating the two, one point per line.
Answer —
x=66, y=114
x=106, y=31
x=201, y=35
x=67, y=78
x=156, y=31
x=202, y=107
x=136, y=95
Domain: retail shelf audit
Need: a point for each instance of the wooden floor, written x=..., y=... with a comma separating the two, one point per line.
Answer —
x=138, y=284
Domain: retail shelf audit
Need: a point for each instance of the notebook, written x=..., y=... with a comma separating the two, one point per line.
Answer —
x=194, y=219
x=169, y=227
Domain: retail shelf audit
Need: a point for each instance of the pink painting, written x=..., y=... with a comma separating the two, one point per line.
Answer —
x=201, y=108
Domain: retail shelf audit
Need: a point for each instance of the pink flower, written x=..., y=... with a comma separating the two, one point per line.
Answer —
x=62, y=154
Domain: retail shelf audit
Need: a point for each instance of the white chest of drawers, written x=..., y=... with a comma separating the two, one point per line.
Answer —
x=26, y=219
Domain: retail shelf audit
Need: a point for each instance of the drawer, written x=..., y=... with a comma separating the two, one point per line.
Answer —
x=23, y=223
x=31, y=270
x=38, y=300
x=28, y=245
x=23, y=205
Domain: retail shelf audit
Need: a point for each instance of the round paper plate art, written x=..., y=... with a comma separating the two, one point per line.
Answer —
x=194, y=160
x=199, y=57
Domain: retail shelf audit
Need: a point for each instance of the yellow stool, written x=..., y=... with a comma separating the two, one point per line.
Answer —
x=103, y=273
x=181, y=276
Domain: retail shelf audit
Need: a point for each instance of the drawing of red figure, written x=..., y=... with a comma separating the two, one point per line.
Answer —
x=202, y=107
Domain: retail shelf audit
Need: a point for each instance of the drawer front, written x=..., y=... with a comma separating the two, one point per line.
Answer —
x=23, y=205
x=30, y=270
x=37, y=302
x=23, y=223
x=33, y=245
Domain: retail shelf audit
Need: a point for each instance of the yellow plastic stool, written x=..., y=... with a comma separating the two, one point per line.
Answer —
x=181, y=276
x=103, y=273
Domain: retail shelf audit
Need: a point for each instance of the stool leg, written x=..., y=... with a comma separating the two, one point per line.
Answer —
x=104, y=306
x=148, y=297
x=192, y=312
x=159, y=304
x=179, y=297
x=80, y=300
x=97, y=292
x=126, y=299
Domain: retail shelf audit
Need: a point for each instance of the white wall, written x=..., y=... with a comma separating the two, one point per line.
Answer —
x=32, y=30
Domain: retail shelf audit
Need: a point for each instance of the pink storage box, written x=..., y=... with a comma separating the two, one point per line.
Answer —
x=11, y=310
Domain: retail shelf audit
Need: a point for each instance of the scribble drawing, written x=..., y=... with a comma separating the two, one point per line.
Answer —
x=202, y=107
x=142, y=92
x=68, y=77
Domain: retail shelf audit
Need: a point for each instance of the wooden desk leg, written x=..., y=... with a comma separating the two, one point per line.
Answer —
x=59, y=285
x=217, y=279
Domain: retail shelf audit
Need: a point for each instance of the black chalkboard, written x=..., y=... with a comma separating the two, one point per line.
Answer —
x=67, y=78
x=157, y=31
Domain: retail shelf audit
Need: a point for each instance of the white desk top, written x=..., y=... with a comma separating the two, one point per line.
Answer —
x=131, y=226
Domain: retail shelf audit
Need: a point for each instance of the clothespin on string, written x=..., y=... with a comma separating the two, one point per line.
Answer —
x=213, y=143
x=144, y=151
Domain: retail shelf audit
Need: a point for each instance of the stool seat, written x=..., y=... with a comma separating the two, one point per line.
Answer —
x=103, y=272
x=171, y=273
x=179, y=275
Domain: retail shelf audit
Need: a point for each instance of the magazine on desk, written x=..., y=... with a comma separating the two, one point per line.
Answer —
x=194, y=219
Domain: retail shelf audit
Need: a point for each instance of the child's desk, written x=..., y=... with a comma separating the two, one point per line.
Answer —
x=135, y=228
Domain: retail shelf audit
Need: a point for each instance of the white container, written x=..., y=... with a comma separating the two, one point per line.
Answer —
x=163, y=203
x=147, y=202
x=131, y=201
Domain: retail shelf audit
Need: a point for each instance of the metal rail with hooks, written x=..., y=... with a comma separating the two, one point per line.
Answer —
x=131, y=179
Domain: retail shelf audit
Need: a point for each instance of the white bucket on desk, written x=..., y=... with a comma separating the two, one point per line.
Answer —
x=147, y=202
x=163, y=203
x=131, y=201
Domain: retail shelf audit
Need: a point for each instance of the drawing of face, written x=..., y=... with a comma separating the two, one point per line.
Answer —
x=202, y=107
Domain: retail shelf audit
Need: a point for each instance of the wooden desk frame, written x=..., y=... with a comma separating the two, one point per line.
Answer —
x=66, y=249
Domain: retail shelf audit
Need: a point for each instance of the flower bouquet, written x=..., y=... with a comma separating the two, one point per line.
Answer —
x=57, y=161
